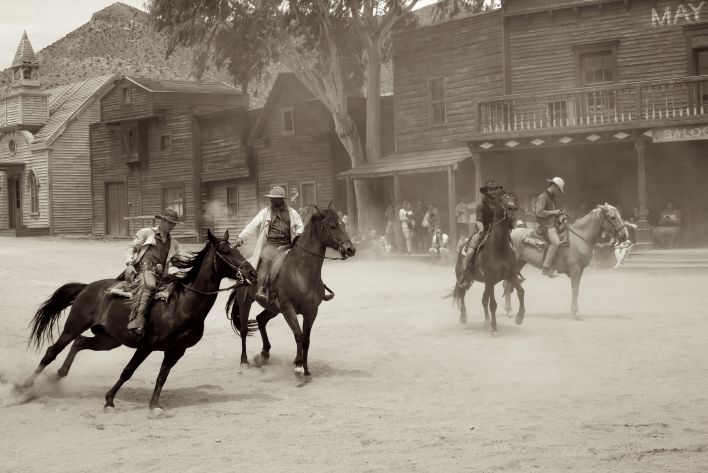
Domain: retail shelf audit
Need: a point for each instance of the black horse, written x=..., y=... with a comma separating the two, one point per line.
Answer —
x=298, y=286
x=494, y=262
x=172, y=326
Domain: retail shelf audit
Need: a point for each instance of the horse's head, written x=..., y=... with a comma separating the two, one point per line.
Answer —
x=612, y=222
x=228, y=261
x=508, y=202
x=331, y=233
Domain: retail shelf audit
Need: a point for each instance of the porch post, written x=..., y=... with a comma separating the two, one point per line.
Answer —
x=396, y=192
x=351, y=211
x=451, y=193
x=4, y=214
x=643, y=240
x=477, y=159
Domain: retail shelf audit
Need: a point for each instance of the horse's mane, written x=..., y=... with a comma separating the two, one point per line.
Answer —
x=189, y=265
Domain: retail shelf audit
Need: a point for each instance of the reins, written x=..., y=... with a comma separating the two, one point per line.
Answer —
x=340, y=243
x=239, y=274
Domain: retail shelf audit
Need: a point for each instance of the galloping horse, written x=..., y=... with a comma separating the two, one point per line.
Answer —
x=298, y=286
x=570, y=260
x=495, y=261
x=172, y=326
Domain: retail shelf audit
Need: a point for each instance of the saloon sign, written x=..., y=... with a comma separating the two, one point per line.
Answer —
x=682, y=14
x=680, y=133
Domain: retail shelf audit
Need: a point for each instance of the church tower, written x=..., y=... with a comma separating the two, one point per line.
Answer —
x=26, y=106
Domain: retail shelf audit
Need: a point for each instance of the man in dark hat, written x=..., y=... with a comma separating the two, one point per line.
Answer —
x=547, y=217
x=484, y=216
x=147, y=262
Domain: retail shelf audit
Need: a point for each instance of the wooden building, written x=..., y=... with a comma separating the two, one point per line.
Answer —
x=45, y=181
x=175, y=144
x=609, y=94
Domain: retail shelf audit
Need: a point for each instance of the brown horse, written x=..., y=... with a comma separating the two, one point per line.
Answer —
x=298, y=286
x=495, y=262
x=172, y=326
x=574, y=258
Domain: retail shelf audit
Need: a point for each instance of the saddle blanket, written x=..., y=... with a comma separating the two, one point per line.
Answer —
x=122, y=289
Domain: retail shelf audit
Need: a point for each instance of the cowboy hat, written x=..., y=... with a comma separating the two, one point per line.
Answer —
x=276, y=192
x=169, y=215
x=489, y=185
x=558, y=181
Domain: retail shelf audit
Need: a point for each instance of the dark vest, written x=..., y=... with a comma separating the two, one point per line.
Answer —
x=157, y=253
x=279, y=230
x=485, y=210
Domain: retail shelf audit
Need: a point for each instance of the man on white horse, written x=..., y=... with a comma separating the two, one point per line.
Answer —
x=547, y=217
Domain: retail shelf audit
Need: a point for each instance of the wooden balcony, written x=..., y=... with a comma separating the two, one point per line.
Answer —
x=623, y=105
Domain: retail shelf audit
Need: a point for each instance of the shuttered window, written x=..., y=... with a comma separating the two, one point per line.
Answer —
x=173, y=198
x=126, y=96
x=288, y=121
x=232, y=200
x=308, y=193
x=34, y=193
x=436, y=100
x=129, y=142
x=166, y=143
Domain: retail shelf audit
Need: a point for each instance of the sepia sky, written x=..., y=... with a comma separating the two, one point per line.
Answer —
x=47, y=21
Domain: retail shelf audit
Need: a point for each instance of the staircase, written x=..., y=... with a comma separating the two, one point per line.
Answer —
x=673, y=260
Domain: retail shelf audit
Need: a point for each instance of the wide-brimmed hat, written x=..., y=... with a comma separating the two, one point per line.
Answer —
x=276, y=192
x=489, y=185
x=169, y=215
x=558, y=181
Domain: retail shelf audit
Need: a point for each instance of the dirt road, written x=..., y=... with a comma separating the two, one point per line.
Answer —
x=398, y=384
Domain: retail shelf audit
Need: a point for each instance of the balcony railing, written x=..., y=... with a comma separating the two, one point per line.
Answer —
x=686, y=97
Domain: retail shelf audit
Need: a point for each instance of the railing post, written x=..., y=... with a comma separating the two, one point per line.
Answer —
x=639, y=102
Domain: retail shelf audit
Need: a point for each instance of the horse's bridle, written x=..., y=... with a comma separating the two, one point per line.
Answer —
x=340, y=249
x=240, y=280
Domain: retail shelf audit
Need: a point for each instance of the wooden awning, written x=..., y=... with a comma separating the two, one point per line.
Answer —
x=417, y=162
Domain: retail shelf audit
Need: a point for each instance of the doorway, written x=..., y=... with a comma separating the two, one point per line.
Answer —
x=14, y=200
x=116, y=209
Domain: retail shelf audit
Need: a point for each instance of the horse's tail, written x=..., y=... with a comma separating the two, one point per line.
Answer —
x=47, y=316
x=234, y=315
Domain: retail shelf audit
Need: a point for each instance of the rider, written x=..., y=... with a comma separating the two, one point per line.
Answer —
x=547, y=217
x=147, y=259
x=484, y=212
x=276, y=225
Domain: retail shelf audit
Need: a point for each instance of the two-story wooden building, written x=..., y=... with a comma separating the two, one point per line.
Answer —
x=609, y=94
x=45, y=182
x=171, y=144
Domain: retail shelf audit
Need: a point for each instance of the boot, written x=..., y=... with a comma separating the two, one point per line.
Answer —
x=136, y=321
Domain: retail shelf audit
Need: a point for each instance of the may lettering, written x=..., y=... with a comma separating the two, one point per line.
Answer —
x=684, y=13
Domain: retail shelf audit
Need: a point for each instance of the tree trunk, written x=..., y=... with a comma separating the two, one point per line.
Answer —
x=373, y=104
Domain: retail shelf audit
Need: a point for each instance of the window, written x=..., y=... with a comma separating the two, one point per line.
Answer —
x=173, y=198
x=12, y=147
x=288, y=121
x=129, y=142
x=166, y=143
x=33, y=192
x=436, y=101
x=308, y=193
x=126, y=96
x=232, y=200
x=597, y=68
x=597, y=65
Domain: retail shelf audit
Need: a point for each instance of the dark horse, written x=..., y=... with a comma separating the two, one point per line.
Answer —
x=572, y=259
x=298, y=286
x=494, y=262
x=172, y=326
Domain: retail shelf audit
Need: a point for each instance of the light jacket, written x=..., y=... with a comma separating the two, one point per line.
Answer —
x=260, y=226
x=143, y=240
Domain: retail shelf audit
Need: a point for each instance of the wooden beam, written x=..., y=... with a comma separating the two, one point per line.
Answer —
x=477, y=160
x=451, y=200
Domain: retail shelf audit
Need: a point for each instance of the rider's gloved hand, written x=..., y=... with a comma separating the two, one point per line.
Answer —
x=130, y=273
x=238, y=242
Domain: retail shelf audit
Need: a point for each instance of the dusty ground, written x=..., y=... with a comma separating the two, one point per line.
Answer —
x=398, y=384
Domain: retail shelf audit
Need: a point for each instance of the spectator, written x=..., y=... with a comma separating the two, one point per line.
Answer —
x=410, y=213
x=344, y=221
x=404, y=217
x=461, y=216
x=666, y=232
x=433, y=219
x=391, y=220
x=305, y=214
x=421, y=233
x=294, y=197
x=440, y=244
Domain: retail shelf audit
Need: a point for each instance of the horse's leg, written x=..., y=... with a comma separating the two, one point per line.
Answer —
x=170, y=359
x=492, y=306
x=463, y=307
x=68, y=334
x=485, y=304
x=100, y=342
x=520, y=294
x=263, y=318
x=575, y=275
x=244, y=312
x=507, y=297
x=138, y=357
x=308, y=321
x=291, y=318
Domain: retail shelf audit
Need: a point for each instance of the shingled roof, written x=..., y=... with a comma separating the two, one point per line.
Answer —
x=183, y=86
x=25, y=55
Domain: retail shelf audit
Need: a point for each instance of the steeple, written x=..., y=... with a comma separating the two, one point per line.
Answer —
x=25, y=66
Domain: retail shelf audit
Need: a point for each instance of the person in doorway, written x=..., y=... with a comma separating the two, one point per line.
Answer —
x=666, y=232
x=406, y=227
x=547, y=216
x=147, y=263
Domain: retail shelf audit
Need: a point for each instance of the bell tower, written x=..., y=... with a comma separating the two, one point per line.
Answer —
x=26, y=106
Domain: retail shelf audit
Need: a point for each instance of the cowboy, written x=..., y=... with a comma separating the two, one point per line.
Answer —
x=276, y=225
x=147, y=262
x=547, y=217
x=484, y=218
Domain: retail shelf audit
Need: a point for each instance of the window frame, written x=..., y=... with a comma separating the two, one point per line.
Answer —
x=33, y=189
x=167, y=150
x=133, y=151
x=595, y=48
x=302, y=194
x=229, y=211
x=431, y=103
x=171, y=186
x=126, y=96
x=283, y=111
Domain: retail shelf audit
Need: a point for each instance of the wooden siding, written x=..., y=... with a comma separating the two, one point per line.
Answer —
x=70, y=162
x=12, y=110
x=34, y=109
x=112, y=107
x=36, y=162
x=223, y=152
x=542, y=55
x=4, y=210
x=467, y=53
x=200, y=102
x=520, y=6
x=216, y=217
x=303, y=156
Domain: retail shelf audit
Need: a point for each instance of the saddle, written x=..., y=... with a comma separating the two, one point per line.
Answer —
x=122, y=289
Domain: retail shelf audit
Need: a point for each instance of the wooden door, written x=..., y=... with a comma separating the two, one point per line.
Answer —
x=14, y=200
x=116, y=209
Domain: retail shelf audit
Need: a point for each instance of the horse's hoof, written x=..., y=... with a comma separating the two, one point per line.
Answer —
x=156, y=412
x=463, y=318
x=494, y=332
x=245, y=366
x=299, y=370
x=519, y=319
x=109, y=409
